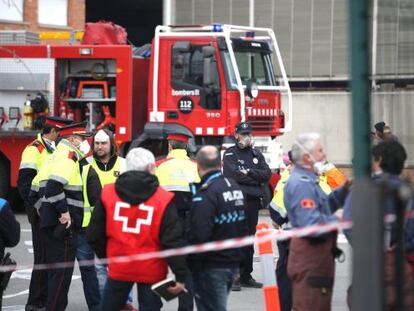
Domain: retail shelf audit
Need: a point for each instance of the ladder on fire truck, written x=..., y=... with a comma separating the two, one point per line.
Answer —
x=226, y=31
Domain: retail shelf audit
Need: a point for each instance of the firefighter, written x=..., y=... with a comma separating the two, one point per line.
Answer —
x=62, y=209
x=32, y=159
x=249, y=169
x=311, y=266
x=175, y=173
x=136, y=215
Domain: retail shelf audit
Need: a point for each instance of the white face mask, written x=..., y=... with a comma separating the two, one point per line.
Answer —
x=319, y=167
x=245, y=141
x=84, y=147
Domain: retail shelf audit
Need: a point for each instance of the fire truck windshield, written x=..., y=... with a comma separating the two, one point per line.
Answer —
x=255, y=66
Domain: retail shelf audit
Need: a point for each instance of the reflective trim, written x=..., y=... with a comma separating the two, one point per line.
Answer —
x=39, y=202
x=43, y=183
x=87, y=209
x=34, y=188
x=60, y=179
x=177, y=188
x=282, y=211
x=56, y=198
x=72, y=188
x=74, y=202
x=28, y=165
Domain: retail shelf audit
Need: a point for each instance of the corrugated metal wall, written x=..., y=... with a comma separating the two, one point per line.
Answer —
x=313, y=34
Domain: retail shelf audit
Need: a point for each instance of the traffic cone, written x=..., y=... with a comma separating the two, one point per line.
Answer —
x=270, y=289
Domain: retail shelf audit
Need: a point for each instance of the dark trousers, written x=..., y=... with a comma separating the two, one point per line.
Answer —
x=38, y=281
x=88, y=272
x=116, y=293
x=212, y=288
x=283, y=281
x=186, y=300
x=58, y=250
x=252, y=213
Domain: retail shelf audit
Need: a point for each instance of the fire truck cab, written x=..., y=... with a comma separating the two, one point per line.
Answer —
x=206, y=79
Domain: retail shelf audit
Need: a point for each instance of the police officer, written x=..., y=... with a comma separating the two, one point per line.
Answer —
x=175, y=173
x=61, y=210
x=217, y=213
x=32, y=159
x=249, y=169
x=311, y=266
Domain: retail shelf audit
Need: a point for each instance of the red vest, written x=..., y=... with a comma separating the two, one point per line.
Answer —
x=134, y=229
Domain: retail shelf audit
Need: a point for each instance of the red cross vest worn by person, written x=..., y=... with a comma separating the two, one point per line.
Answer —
x=134, y=229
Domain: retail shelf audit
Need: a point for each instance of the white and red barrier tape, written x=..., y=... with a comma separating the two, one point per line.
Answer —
x=277, y=235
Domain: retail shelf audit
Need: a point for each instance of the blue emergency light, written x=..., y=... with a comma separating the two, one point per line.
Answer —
x=217, y=27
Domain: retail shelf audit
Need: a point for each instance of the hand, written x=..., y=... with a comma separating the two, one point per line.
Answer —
x=177, y=288
x=65, y=219
x=339, y=213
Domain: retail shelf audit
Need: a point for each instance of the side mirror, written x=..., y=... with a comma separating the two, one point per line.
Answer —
x=252, y=89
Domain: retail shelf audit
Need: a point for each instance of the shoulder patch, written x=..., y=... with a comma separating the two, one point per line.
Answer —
x=72, y=155
x=227, y=154
x=304, y=178
x=38, y=145
x=307, y=203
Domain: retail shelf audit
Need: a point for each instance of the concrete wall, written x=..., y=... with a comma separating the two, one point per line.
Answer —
x=329, y=113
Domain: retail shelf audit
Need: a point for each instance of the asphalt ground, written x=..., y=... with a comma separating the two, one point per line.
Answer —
x=248, y=299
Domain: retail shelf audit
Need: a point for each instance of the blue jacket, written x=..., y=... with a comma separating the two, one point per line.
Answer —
x=394, y=182
x=252, y=183
x=217, y=213
x=306, y=203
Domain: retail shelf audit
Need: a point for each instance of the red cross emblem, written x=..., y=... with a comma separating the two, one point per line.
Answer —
x=132, y=217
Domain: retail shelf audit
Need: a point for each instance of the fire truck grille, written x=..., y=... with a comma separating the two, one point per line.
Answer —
x=261, y=124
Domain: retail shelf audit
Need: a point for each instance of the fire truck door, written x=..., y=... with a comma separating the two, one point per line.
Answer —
x=195, y=81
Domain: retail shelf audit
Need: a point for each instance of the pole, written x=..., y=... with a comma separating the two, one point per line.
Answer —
x=270, y=289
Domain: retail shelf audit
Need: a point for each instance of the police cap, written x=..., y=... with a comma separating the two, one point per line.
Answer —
x=243, y=127
x=180, y=137
x=75, y=129
x=56, y=122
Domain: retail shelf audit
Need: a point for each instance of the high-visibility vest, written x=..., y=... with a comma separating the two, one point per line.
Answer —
x=34, y=154
x=277, y=202
x=63, y=166
x=177, y=171
x=87, y=209
x=109, y=177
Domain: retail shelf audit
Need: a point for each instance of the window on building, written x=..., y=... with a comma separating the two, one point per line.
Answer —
x=11, y=10
x=53, y=12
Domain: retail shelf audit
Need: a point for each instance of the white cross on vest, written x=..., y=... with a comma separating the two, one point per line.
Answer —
x=130, y=216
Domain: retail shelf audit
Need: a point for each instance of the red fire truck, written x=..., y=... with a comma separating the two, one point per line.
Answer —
x=197, y=79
